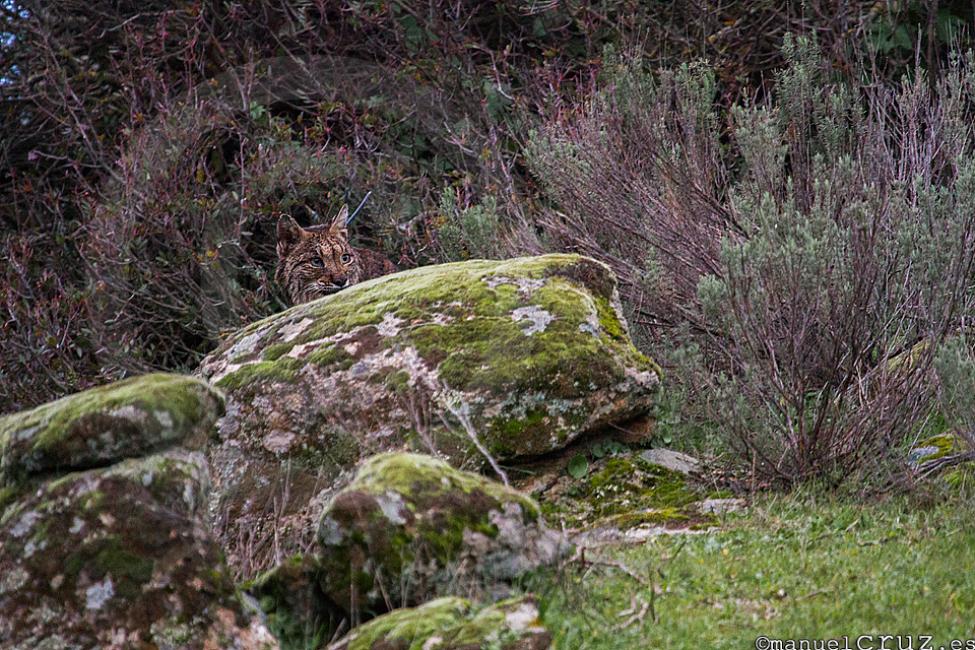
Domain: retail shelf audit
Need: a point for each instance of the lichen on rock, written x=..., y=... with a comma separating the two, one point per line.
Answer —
x=527, y=354
x=119, y=557
x=410, y=527
x=452, y=623
x=623, y=491
x=102, y=522
x=103, y=425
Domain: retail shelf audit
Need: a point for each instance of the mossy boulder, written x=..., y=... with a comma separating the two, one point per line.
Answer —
x=103, y=425
x=527, y=354
x=119, y=557
x=452, y=623
x=410, y=527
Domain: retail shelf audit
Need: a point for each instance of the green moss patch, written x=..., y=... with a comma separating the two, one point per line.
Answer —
x=622, y=491
x=129, y=418
x=456, y=623
x=426, y=479
x=411, y=626
x=275, y=369
x=407, y=521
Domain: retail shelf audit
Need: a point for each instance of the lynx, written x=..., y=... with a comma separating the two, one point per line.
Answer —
x=318, y=261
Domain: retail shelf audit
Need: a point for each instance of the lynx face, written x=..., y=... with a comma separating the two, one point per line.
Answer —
x=315, y=262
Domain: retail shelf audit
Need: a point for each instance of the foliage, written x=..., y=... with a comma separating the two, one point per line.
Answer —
x=955, y=368
x=578, y=466
x=470, y=231
x=425, y=102
x=830, y=234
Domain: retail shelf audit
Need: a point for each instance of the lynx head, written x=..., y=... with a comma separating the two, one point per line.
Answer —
x=317, y=261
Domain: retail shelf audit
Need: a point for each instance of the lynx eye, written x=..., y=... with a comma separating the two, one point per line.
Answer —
x=346, y=258
x=318, y=263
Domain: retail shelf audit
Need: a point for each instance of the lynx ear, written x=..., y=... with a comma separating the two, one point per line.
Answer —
x=289, y=234
x=339, y=228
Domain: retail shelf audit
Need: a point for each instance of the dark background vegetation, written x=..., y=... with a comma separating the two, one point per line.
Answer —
x=758, y=174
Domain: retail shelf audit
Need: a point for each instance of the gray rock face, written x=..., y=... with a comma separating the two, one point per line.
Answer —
x=673, y=460
x=117, y=556
x=410, y=527
x=517, y=357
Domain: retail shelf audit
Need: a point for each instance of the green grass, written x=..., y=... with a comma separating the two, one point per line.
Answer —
x=793, y=567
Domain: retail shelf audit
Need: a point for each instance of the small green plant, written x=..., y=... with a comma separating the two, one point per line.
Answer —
x=608, y=448
x=468, y=231
x=578, y=466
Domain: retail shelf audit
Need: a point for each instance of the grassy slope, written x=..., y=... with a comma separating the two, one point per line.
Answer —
x=790, y=568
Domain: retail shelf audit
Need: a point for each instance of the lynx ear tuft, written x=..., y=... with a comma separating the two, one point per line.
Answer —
x=289, y=234
x=339, y=227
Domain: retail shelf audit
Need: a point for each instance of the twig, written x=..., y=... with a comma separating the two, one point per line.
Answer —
x=580, y=557
x=634, y=615
x=465, y=423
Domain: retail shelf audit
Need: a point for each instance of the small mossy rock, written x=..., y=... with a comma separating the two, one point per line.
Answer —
x=452, y=623
x=935, y=447
x=530, y=353
x=296, y=610
x=675, y=461
x=410, y=527
x=621, y=491
x=97, y=427
x=119, y=558
x=945, y=455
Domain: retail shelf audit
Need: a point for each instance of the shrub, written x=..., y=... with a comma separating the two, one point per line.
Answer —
x=410, y=97
x=44, y=339
x=182, y=246
x=470, y=231
x=807, y=249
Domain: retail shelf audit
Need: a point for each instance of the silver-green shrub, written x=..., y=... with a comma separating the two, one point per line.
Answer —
x=816, y=242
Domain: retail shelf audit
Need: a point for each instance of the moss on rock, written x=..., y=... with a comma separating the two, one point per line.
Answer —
x=410, y=526
x=460, y=325
x=452, y=623
x=939, y=446
x=100, y=426
x=934, y=447
x=120, y=551
x=623, y=491
x=530, y=353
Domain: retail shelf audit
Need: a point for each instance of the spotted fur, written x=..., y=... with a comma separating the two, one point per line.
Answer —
x=318, y=261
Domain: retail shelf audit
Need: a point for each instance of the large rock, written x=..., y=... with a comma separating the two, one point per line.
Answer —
x=116, y=556
x=410, y=527
x=453, y=624
x=97, y=427
x=525, y=354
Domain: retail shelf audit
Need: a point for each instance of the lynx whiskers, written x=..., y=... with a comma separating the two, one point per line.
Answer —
x=319, y=261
